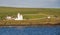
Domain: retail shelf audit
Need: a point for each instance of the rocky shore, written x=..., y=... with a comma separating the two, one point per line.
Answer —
x=29, y=22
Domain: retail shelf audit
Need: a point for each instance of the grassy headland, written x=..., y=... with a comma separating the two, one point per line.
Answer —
x=39, y=12
x=30, y=13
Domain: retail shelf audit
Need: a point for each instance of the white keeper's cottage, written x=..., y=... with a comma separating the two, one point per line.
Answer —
x=19, y=17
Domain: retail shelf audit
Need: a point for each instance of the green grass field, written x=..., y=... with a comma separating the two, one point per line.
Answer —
x=29, y=13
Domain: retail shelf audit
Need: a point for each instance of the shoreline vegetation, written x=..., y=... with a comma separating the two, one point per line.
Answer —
x=32, y=16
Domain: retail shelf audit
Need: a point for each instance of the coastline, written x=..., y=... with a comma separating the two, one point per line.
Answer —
x=29, y=23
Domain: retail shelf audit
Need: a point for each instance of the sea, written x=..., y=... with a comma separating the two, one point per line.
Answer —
x=30, y=30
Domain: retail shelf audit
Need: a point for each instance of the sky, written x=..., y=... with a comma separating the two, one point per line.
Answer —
x=31, y=3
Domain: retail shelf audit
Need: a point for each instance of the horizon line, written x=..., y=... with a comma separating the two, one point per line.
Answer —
x=28, y=7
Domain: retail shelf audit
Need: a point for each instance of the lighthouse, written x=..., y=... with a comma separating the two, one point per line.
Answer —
x=19, y=17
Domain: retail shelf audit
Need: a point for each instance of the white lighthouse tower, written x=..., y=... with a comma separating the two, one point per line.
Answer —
x=19, y=17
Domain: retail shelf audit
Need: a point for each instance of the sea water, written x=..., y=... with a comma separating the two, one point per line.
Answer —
x=41, y=30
